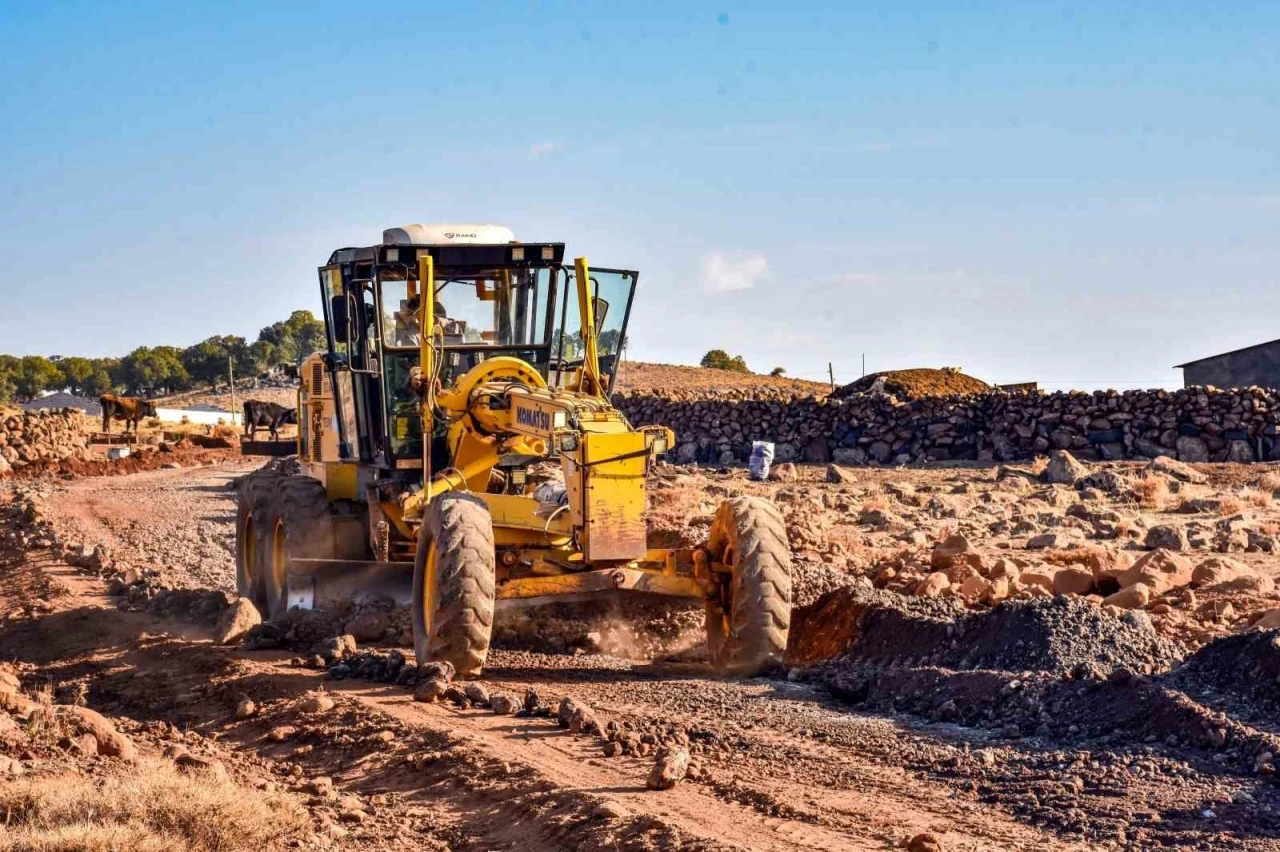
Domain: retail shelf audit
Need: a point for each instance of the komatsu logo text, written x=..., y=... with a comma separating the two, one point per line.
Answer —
x=534, y=419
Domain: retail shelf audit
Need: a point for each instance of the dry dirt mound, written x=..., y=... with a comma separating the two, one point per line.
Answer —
x=639, y=376
x=147, y=458
x=915, y=383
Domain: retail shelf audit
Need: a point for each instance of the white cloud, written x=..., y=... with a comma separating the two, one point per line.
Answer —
x=544, y=148
x=724, y=273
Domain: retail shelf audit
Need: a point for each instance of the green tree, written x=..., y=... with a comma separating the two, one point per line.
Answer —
x=295, y=338
x=721, y=360
x=9, y=367
x=34, y=374
x=207, y=361
x=608, y=342
x=149, y=370
x=262, y=356
x=103, y=377
x=778, y=372
x=76, y=373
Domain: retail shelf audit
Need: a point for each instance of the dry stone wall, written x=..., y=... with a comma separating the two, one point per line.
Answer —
x=33, y=436
x=1199, y=424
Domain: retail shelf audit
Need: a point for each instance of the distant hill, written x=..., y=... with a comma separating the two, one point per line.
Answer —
x=915, y=383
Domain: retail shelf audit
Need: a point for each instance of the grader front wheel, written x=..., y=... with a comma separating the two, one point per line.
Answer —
x=454, y=584
x=747, y=622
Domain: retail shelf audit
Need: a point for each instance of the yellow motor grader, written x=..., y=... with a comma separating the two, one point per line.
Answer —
x=457, y=447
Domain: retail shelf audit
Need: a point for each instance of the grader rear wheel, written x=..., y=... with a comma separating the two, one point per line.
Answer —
x=298, y=525
x=248, y=578
x=256, y=491
x=454, y=584
x=747, y=622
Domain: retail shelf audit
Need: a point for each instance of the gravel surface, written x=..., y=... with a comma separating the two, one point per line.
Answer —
x=179, y=524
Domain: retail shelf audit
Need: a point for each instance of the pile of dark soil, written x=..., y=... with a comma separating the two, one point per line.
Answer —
x=1055, y=668
x=1053, y=635
x=1239, y=673
x=915, y=383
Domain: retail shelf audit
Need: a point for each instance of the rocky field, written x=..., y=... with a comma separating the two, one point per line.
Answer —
x=1049, y=655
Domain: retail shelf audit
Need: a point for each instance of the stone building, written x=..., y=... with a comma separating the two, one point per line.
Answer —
x=1253, y=365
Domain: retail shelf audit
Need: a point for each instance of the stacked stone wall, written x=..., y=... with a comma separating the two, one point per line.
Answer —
x=27, y=437
x=1201, y=424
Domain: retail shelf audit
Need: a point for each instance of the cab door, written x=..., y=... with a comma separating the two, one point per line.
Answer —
x=612, y=291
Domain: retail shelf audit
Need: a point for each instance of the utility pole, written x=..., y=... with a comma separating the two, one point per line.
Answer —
x=231, y=374
x=831, y=374
x=864, y=364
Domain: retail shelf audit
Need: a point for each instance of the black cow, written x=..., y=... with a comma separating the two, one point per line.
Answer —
x=130, y=409
x=268, y=414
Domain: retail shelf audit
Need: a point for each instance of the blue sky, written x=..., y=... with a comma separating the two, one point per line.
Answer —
x=1082, y=194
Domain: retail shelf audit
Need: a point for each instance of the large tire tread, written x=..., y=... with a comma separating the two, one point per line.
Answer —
x=754, y=532
x=302, y=504
x=458, y=526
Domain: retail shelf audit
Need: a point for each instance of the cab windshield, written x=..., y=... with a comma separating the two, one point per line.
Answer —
x=501, y=308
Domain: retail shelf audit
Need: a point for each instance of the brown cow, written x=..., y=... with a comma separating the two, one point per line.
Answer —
x=130, y=409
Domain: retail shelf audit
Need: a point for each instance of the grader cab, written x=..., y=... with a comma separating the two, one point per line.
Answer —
x=457, y=448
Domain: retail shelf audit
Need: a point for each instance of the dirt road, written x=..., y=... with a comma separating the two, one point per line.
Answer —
x=786, y=767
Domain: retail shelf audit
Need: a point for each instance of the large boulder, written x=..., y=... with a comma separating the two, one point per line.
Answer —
x=933, y=585
x=849, y=456
x=1073, y=581
x=1136, y=596
x=1217, y=569
x=1167, y=537
x=1159, y=570
x=111, y=742
x=1192, y=449
x=1063, y=469
x=1177, y=470
x=840, y=476
x=948, y=551
x=236, y=621
x=1107, y=565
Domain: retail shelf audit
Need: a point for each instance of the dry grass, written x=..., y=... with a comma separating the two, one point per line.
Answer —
x=876, y=504
x=1153, y=492
x=1255, y=497
x=1270, y=482
x=1064, y=558
x=1230, y=504
x=147, y=808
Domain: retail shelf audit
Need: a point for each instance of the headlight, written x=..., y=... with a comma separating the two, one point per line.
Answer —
x=568, y=442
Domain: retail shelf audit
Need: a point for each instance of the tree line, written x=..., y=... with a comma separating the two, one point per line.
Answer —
x=152, y=370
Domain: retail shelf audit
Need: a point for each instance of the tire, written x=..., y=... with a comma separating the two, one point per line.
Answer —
x=248, y=578
x=254, y=492
x=747, y=623
x=454, y=581
x=298, y=525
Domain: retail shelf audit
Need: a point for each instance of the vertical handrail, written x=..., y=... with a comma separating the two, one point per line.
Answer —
x=426, y=352
x=589, y=379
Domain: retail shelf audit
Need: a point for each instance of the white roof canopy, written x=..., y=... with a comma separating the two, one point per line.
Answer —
x=433, y=235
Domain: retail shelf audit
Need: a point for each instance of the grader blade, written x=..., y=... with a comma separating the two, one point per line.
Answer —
x=323, y=583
